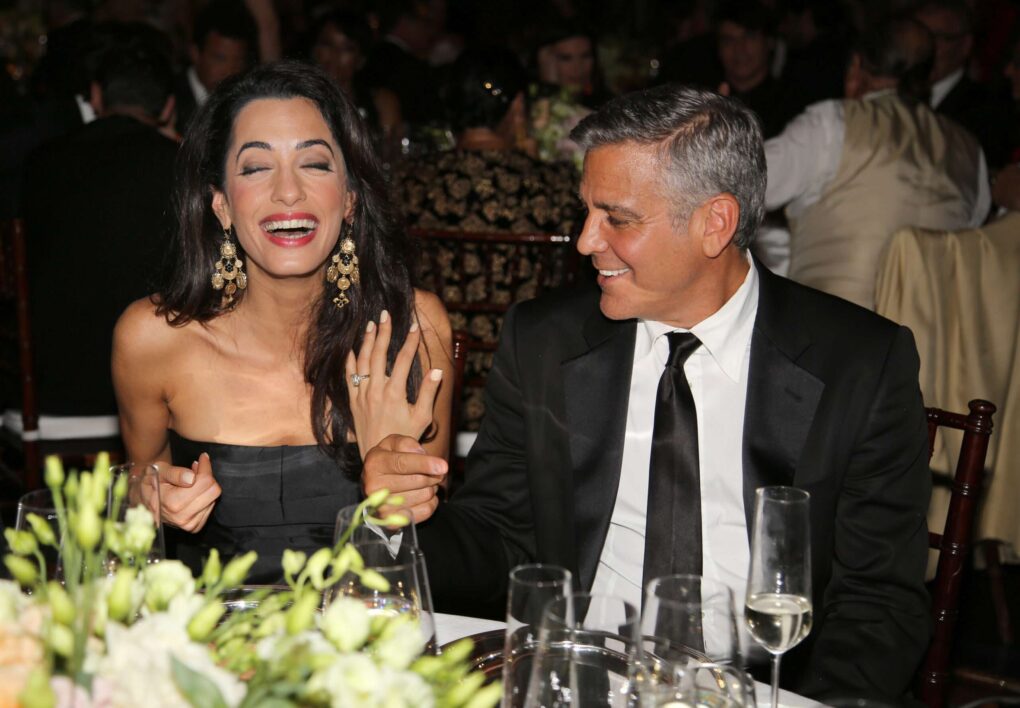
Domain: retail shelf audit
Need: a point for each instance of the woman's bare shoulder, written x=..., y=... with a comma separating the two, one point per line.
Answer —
x=432, y=313
x=143, y=331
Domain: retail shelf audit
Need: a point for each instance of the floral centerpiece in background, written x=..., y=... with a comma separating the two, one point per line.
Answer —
x=117, y=632
x=553, y=114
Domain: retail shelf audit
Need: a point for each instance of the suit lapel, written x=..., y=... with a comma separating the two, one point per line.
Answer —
x=781, y=395
x=596, y=387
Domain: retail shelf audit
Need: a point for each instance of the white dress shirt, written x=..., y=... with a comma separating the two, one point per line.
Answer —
x=198, y=90
x=717, y=373
x=941, y=88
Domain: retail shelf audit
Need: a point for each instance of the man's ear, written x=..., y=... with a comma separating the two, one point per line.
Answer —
x=96, y=97
x=853, y=81
x=220, y=208
x=194, y=54
x=719, y=218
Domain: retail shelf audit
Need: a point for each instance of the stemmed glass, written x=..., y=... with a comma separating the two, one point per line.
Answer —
x=588, y=652
x=40, y=503
x=369, y=530
x=532, y=587
x=142, y=485
x=408, y=593
x=691, y=645
x=778, y=605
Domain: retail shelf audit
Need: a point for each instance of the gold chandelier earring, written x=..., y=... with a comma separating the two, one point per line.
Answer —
x=344, y=268
x=229, y=275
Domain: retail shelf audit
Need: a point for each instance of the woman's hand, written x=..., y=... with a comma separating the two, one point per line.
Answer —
x=187, y=496
x=379, y=404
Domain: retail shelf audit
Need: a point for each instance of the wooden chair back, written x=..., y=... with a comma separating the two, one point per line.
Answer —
x=16, y=342
x=478, y=276
x=954, y=542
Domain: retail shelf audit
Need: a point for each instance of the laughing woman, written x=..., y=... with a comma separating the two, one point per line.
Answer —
x=288, y=340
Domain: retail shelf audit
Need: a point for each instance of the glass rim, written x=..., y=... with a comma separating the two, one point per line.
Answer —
x=32, y=504
x=782, y=493
x=716, y=588
x=515, y=572
x=632, y=613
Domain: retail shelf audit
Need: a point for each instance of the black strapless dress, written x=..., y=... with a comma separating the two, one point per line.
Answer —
x=274, y=498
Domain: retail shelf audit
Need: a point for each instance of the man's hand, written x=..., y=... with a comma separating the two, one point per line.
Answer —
x=187, y=496
x=400, y=464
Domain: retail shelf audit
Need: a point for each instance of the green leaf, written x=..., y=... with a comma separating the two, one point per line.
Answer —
x=198, y=690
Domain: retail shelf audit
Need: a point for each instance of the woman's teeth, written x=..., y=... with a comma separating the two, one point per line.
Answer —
x=611, y=273
x=290, y=227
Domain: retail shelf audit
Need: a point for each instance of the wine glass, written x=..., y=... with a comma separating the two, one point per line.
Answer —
x=40, y=503
x=408, y=593
x=691, y=645
x=587, y=654
x=778, y=605
x=369, y=530
x=532, y=587
x=141, y=483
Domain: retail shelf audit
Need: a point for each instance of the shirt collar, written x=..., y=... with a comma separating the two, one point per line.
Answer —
x=725, y=334
x=941, y=88
x=201, y=92
x=872, y=95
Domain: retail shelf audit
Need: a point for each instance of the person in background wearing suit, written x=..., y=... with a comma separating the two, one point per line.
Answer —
x=590, y=455
x=223, y=44
x=955, y=94
x=97, y=211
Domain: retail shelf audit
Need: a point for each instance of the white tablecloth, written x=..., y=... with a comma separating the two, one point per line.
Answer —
x=451, y=627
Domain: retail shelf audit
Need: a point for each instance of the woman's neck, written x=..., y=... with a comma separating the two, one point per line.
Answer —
x=481, y=139
x=278, y=312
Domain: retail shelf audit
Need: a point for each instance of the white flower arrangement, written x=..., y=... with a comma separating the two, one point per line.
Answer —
x=112, y=636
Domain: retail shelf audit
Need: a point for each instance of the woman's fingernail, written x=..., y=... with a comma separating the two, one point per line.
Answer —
x=370, y=327
x=188, y=477
x=414, y=326
x=194, y=465
x=205, y=455
x=436, y=374
x=384, y=316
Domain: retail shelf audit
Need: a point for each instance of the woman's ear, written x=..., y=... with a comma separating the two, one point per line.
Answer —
x=351, y=206
x=220, y=208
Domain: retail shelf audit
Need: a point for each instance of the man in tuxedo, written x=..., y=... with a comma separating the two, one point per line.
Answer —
x=628, y=427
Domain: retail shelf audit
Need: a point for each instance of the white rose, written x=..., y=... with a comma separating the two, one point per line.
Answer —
x=346, y=623
x=139, y=530
x=400, y=642
x=164, y=581
x=352, y=681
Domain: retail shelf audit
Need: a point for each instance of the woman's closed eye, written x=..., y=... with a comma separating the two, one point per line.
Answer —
x=320, y=166
x=252, y=169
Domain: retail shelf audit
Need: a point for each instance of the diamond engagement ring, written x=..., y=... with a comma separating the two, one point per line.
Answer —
x=356, y=379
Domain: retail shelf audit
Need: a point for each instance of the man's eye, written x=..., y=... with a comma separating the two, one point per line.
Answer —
x=613, y=221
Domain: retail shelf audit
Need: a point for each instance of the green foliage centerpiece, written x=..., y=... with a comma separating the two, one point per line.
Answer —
x=117, y=632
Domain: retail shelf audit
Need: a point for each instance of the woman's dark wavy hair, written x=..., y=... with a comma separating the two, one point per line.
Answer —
x=383, y=249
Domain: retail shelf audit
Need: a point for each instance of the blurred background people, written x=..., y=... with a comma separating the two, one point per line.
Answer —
x=222, y=45
x=852, y=172
x=567, y=59
x=97, y=212
x=953, y=93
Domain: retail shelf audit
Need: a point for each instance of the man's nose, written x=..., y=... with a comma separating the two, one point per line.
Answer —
x=590, y=241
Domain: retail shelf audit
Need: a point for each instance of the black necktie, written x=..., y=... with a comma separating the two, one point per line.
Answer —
x=673, y=524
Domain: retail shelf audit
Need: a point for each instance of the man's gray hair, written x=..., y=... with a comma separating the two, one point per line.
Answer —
x=709, y=144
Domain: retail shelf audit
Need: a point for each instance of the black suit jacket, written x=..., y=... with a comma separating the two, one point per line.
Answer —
x=833, y=406
x=986, y=115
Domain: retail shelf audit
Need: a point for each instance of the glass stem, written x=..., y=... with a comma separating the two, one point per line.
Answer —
x=775, y=679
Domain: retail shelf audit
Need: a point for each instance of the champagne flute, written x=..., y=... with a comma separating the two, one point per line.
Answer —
x=142, y=490
x=532, y=587
x=778, y=606
x=40, y=503
x=368, y=530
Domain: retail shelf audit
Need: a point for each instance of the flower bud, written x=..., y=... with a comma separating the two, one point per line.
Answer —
x=88, y=527
x=376, y=498
x=60, y=603
x=273, y=624
x=374, y=581
x=465, y=688
x=24, y=571
x=396, y=500
x=71, y=487
x=302, y=613
x=54, y=474
x=42, y=529
x=102, y=464
x=205, y=620
x=457, y=652
x=213, y=567
x=120, y=488
x=37, y=692
x=317, y=565
x=237, y=569
x=21, y=542
x=395, y=521
x=118, y=602
x=61, y=640
x=293, y=562
x=486, y=697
